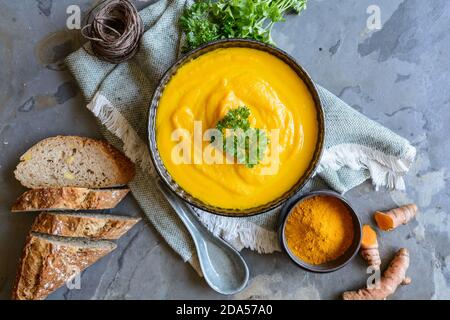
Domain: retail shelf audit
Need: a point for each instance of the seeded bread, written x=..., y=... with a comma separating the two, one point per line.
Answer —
x=68, y=198
x=85, y=225
x=48, y=262
x=70, y=161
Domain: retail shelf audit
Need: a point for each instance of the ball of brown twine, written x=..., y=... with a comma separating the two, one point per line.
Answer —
x=114, y=29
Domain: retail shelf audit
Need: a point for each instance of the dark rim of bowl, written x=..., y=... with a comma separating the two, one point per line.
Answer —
x=151, y=130
x=330, y=266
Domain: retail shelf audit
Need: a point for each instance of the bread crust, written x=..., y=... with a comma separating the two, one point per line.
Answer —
x=123, y=169
x=68, y=198
x=68, y=225
x=45, y=266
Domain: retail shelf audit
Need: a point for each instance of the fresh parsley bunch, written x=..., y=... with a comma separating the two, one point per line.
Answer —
x=242, y=146
x=209, y=20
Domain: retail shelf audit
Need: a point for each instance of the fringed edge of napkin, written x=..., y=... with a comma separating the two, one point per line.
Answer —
x=385, y=170
x=116, y=123
x=239, y=233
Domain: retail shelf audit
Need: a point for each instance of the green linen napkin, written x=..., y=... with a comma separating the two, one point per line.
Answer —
x=357, y=148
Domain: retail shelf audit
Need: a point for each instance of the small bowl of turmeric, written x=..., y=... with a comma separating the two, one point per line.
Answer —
x=320, y=231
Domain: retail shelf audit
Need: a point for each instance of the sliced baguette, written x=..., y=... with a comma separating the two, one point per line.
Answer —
x=83, y=225
x=70, y=161
x=68, y=198
x=50, y=261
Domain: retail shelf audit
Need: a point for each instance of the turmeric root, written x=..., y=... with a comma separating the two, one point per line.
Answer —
x=393, y=218
x=369, y=247
x=394, y=276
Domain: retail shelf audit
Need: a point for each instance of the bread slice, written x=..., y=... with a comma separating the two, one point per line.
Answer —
x=70, y=161
x=68, y=198
x=85, y=225
x=50, y=261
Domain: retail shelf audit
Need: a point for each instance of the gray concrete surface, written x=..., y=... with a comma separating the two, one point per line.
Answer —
x=398, y=75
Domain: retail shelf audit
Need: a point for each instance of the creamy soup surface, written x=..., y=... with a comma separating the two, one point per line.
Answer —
x=205, y=90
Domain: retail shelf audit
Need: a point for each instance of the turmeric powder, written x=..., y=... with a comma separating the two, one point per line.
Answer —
x=319, y=229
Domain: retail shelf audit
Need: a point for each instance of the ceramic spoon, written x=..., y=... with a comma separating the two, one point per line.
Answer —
x=224, y=269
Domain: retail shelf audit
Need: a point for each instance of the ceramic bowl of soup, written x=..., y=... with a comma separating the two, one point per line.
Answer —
x=199, y=91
